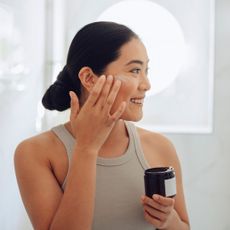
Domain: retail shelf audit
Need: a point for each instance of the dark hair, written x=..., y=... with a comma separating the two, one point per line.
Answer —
x=95, y=45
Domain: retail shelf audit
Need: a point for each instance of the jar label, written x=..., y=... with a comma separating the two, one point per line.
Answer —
x=170, y=186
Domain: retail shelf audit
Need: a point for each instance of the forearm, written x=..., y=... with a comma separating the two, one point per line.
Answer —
x=77, y=204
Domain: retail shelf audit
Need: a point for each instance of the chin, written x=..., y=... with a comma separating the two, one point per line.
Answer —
x=132, y=117
x=136, y=120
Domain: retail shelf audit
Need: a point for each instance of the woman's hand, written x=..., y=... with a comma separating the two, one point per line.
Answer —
x=93, y=123
x=158, y=211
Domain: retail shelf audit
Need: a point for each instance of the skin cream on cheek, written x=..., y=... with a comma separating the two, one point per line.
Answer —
x=121, y=78
x=128, y=85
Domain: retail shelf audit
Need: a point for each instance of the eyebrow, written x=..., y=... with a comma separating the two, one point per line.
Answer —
x=136, y=62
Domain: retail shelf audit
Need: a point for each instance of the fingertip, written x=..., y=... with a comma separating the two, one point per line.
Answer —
x=71, y=94
x=156, y=197
x=118, y=82
x=71, y=97
x=173, y=201
x=123, y=105
x=110, y=77
x=74, y=102
x=102, y=77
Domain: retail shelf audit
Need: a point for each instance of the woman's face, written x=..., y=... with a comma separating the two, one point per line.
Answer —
x=131, y=69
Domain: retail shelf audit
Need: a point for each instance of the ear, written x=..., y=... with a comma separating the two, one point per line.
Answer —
x=87, y=77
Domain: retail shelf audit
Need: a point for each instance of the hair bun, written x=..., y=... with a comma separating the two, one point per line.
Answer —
x=57, y=95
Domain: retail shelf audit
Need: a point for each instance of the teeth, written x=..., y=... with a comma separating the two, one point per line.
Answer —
x=137, y=101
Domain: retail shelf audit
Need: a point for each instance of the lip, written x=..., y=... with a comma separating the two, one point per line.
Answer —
x=139, y=97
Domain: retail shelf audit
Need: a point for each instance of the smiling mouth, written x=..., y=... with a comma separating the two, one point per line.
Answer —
x=138, y=101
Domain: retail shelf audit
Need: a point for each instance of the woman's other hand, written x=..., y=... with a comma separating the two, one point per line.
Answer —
x=158, y=211
x=93, y=123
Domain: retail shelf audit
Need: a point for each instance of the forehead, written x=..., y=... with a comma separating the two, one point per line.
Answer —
x=134, y=49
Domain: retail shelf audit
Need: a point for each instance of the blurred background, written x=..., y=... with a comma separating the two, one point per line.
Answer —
x=187, y=42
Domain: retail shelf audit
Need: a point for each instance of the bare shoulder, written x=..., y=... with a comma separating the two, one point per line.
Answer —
x=37, y=146
x=158, y=149
x=44, y=149
x=40, y=165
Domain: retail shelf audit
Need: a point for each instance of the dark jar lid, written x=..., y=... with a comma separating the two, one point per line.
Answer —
x=167, y=172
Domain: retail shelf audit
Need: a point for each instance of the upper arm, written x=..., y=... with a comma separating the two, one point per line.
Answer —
x=180, y=205
x=165, y=155
x=170, y=155
x=39, y=189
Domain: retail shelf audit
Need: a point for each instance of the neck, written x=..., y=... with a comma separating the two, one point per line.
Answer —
x=119, y=134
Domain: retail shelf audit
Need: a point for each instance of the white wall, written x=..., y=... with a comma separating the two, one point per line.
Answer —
x=204, y=158
x=18, y=109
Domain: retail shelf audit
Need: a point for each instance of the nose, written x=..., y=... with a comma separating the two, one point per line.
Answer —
x=144, y=84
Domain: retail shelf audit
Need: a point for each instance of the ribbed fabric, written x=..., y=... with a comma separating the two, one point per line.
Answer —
x=119, y=184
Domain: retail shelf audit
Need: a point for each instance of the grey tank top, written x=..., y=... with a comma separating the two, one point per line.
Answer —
x=119, y=184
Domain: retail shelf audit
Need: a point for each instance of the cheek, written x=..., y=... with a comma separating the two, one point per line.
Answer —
x=127, y=90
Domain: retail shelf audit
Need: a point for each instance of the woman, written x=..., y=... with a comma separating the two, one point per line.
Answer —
x=88, y=173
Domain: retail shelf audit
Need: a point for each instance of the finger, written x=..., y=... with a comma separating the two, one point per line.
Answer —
x=167, y=201
x=105, y=92
x=117, y=114
x=74, y=105
x=155, y=213
x=152, y=203
x=152, y=220
x=95, y=92
x=112, y=96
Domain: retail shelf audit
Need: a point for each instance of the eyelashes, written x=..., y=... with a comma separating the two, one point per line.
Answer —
x=138, y=70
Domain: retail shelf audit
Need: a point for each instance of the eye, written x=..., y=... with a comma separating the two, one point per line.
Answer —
x=136, y=70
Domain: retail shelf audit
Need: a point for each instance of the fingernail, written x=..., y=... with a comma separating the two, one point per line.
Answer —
x=142, y=198
x=70, y=94
x=155, y=197
x=110, y=77
x=118, y=82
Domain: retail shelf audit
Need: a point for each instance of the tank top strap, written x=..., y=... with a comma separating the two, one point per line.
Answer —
x=66, y=138
x=137, y=144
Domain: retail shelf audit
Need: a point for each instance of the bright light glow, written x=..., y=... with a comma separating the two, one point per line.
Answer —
x=161, y=34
